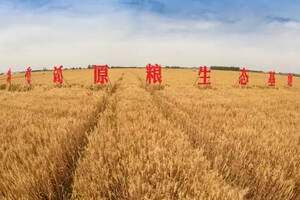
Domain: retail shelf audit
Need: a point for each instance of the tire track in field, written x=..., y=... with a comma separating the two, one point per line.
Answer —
x=167, y=108
x=63, y=181
x=172, y=112
x=137, y=153
x=181, y=118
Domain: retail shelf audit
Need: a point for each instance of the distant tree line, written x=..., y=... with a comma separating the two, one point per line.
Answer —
x=118, y=67
x=173, y=67
x=224, y=68
x=256, y=71
x=297, y=75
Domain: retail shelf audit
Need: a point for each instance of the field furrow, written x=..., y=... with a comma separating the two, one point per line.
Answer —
x=37, y=150
x=259, y=153
x=43, y=134
x=136, y=154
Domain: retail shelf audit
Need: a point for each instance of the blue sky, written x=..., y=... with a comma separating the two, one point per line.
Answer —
x=258, y=34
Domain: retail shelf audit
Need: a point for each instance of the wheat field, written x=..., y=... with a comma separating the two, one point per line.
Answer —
x=131, y=141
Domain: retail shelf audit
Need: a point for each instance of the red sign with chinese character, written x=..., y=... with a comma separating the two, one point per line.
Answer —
x=100, y=74
x=204, y=76
x=244, y=77
x=9, y=77
x=28, y=75
x=290, y=80
x=153, y=73
x=272, y=79
x=57, y=75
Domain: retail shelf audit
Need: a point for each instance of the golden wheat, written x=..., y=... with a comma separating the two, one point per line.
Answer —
x=132, y=141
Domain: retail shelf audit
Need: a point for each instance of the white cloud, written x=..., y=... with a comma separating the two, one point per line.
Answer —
x=101, y=34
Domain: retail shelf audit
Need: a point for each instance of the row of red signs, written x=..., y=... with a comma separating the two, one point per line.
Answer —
x=57, y=75
x=100, y=75
x=154, y=75
x=203, y=75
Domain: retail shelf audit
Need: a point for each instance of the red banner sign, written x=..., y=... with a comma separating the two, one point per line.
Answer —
x=9, y=77
x=57, y=75
x=290, y=80
x=272, y=79
x=153, y=74
x=28, y=75
x=100, y=74
x=244, y=77
x=204, y=76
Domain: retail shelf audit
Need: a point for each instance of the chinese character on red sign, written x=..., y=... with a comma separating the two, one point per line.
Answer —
x=204, y=76
x=153, y=73
x=244, y=77
x=290, y=80
x=57, y=75
x=100, y=74
x=272, y=79
x=9, y=77
x=28, y=75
